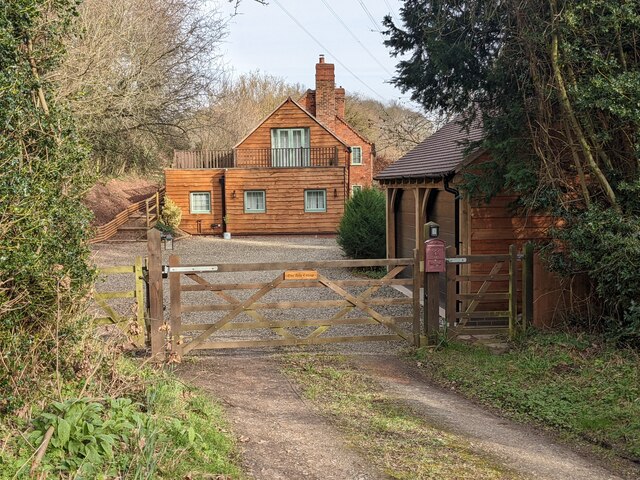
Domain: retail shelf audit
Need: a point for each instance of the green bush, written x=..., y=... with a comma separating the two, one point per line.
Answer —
x=605, y=245
x=362, y=230
x=171, y=214
x=43, y=174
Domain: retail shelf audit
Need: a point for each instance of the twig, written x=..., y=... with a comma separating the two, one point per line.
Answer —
x=41, y=450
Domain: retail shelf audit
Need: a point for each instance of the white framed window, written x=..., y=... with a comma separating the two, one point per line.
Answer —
x=355, y=189
x=200, y=202
x=356, y=155
x=315, y=200
x=255, y=201
x=290, y=147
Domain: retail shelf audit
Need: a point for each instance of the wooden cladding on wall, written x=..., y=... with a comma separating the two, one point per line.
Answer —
x=285, y=200
x=289, y=115
x=180, y=183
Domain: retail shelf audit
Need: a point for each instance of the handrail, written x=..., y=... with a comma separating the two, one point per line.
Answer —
x=108, y=230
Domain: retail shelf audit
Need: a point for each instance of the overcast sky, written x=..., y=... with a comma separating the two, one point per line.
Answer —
x=267, y=38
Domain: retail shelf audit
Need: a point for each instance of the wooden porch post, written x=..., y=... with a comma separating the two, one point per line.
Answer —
x=391, y=222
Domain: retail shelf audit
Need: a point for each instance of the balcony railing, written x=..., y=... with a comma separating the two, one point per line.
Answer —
x=287, y=157
x=203, y=159
x=257, y=158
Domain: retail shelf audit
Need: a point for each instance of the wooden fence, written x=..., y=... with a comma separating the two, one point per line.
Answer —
x=132, y=325
x=233, y=300
x=151, y=207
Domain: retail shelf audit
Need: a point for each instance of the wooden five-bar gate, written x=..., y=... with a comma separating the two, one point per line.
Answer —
x=266, y=313
x=312, y=303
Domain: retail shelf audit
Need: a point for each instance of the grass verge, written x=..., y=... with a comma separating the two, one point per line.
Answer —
x=389, y=434
x=574, y=384
x=159, y=429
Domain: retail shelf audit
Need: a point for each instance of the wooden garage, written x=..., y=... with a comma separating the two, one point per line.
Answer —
x=424, y=186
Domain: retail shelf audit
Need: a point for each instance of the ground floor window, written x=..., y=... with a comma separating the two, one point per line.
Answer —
x=315, y=200
x=200, y=202
x=355, y=189
x=255, y=201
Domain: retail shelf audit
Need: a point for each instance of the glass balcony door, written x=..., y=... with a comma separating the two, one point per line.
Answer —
x=290, y=147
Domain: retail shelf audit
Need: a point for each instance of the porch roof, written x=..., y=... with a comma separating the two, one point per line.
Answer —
x=437, y=156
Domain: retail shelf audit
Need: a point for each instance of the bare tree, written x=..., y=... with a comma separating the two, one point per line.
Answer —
x=237, y=107
x=136, y=71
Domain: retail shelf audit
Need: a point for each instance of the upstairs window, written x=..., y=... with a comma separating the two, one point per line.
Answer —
x=255, y=201
x=290, y=147
x=356, y=155
x=315, y=200
x=200, y=202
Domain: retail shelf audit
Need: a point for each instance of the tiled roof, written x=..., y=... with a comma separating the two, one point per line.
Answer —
x=438, y=155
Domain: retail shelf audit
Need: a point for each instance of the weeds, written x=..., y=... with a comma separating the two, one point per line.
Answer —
x=575, y=384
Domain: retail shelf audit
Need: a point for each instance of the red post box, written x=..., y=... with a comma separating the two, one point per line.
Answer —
x=434, y=256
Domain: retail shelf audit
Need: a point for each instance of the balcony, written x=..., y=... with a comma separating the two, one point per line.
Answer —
x=257, y=158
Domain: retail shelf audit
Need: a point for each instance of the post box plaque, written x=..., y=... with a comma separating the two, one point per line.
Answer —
x=434, y=256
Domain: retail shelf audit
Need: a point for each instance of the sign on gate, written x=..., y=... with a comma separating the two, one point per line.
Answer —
x=301, y=275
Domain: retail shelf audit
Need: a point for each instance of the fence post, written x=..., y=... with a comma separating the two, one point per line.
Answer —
x=513, y=289
x=137, y=271
x=527, y=286
x=416, y=298
x=146, y=203
x=451, y=291
x=176, y=309
x=156, y=314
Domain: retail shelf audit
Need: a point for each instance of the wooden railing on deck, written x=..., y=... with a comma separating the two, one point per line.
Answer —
x=257, y=158
x=203, y=159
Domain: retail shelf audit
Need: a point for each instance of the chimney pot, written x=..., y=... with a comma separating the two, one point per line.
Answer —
x=321, y=58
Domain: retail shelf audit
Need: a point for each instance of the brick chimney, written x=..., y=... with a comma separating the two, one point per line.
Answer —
x=340, y=102
x=326, y=93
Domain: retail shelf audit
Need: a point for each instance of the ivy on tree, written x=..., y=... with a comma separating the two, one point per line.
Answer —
x=43, y=225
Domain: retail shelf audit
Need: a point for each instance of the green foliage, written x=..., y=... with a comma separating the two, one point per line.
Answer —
x=86, y=433
x=606, y=245
x=556, y=87
x=43, y=225
x=171, y=214
x=573, y=383
x=362, y=230
x=167, y=430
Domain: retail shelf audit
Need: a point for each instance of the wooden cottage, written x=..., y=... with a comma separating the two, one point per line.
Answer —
x=423, y=186
x=291, y=174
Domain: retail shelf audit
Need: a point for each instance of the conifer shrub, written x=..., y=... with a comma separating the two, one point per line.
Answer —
x=171, y=214
x=362, y=230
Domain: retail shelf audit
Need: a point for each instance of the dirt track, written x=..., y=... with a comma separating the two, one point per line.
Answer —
x=284, y=437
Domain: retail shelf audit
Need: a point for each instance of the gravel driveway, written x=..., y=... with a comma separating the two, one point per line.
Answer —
x=213, y=250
